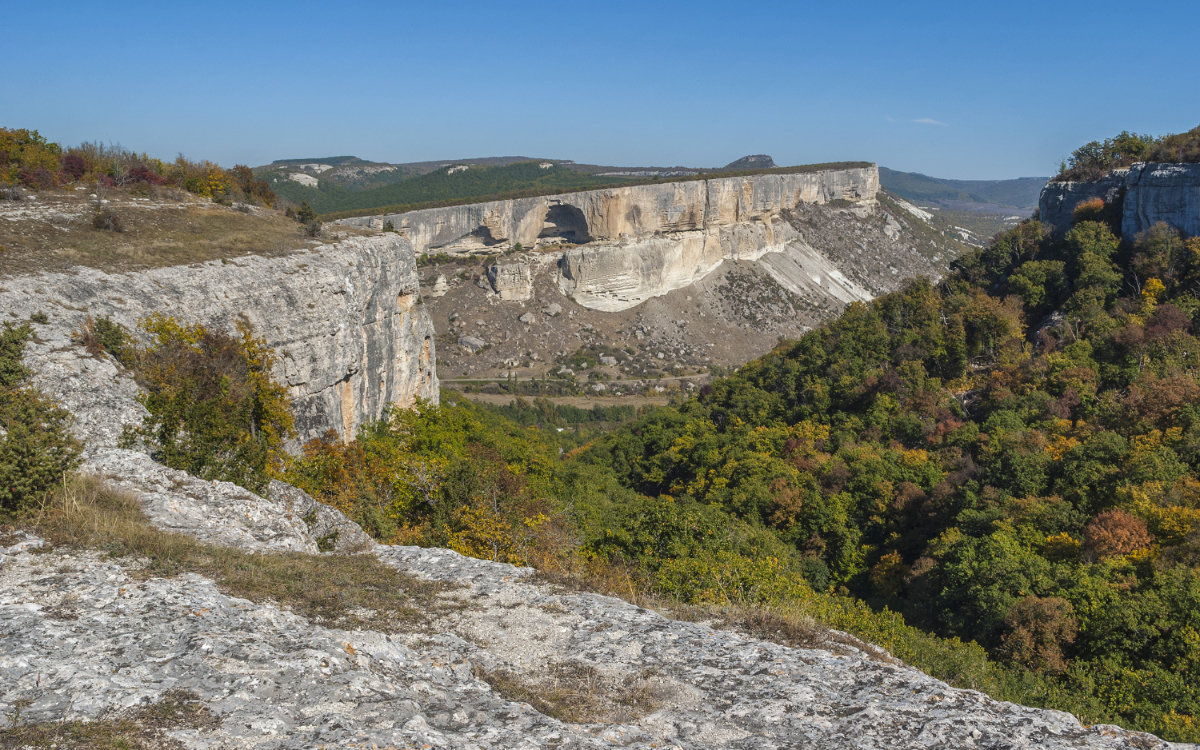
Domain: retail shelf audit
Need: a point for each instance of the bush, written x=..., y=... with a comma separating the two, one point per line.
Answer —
x=106, y=219
x=1092, y=209
x=305, y=213
x=12, y=344
x=28, y=159
x=36, y=446
x=214, y=410
x=99, y=335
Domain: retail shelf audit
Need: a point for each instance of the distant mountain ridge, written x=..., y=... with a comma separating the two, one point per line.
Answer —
x=981, y=208
x=1018, y=195
x=339, y=185
x=344, y=185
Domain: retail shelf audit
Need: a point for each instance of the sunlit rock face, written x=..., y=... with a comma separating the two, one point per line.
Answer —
x=1142, y=195
x=345, y=321
x=624, y=245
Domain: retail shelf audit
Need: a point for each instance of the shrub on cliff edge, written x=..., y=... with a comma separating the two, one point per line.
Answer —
x=214, y=410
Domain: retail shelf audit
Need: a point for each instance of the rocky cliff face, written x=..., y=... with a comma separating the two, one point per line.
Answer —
x=633, y=243
x=1144, y=195
x=346, y=321
x=676, y=304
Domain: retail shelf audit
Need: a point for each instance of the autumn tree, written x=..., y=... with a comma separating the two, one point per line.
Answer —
x=213, y=408
x=1115, y=532
x=1038, y=628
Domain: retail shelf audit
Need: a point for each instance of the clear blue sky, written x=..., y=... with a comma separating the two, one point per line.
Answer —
x=953, y=89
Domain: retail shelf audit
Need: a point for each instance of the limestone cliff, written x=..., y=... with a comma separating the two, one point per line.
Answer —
x=1144, y=195
x=672, y=303
x=627, y=244
x=346, y=321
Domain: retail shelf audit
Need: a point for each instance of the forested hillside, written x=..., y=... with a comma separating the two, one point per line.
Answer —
x=1009, y=457
x=1017, y=196
x=450, y=184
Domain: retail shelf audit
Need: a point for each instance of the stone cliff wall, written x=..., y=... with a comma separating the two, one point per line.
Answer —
x=1145, y=194
x=345, y=320
x=627, y=244
x=622, y=212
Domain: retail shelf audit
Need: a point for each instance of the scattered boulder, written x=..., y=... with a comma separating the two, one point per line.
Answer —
x=471, y=343
x=511, y=281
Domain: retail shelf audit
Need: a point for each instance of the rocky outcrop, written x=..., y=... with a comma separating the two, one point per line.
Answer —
x=616, y=276
x=345, y=320
x=1142, y=195
x=622, y=212
x=1162, y=192
x=511, y=281
x=736, y=292
x=88, y=637
x=627, y=244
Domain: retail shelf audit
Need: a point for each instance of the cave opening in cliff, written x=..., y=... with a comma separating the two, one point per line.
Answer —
x=484, y=234
x=567, y=222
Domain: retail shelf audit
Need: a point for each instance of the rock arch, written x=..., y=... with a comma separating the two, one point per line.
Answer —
x=565, y=221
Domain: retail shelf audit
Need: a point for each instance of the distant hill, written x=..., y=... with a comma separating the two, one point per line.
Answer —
x=345, y=185
x=359, y=185
x=983, y=207
x=1018, y=196
x=754, y=161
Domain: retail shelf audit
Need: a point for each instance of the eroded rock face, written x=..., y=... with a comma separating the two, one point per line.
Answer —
x=1162, y=192
x=1143, y=195
x=632, y=242
x=511, y=281
x=614, y=213
x=345, y=321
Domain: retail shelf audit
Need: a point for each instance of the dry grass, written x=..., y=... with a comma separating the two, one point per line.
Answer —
x=55, y=232
x=578, y=693
x=138, y=729
x=785, y=624
x=345, y=591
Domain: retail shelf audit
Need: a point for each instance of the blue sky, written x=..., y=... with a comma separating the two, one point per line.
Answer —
x=952, y=89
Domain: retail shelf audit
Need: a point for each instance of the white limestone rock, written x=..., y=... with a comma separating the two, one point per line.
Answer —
x=344, y=320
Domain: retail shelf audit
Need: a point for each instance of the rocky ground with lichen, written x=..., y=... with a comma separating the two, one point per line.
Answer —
x=512, y=662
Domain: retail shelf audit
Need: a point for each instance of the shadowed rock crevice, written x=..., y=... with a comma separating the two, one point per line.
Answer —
x=565, y=221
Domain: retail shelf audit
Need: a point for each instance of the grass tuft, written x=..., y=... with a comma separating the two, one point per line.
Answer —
x=142, y=728
x=578, y=693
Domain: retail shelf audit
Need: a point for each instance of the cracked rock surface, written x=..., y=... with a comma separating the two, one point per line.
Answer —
x=81, y=638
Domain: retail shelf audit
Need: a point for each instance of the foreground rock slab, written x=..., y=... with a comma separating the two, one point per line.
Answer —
x=82, y=637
